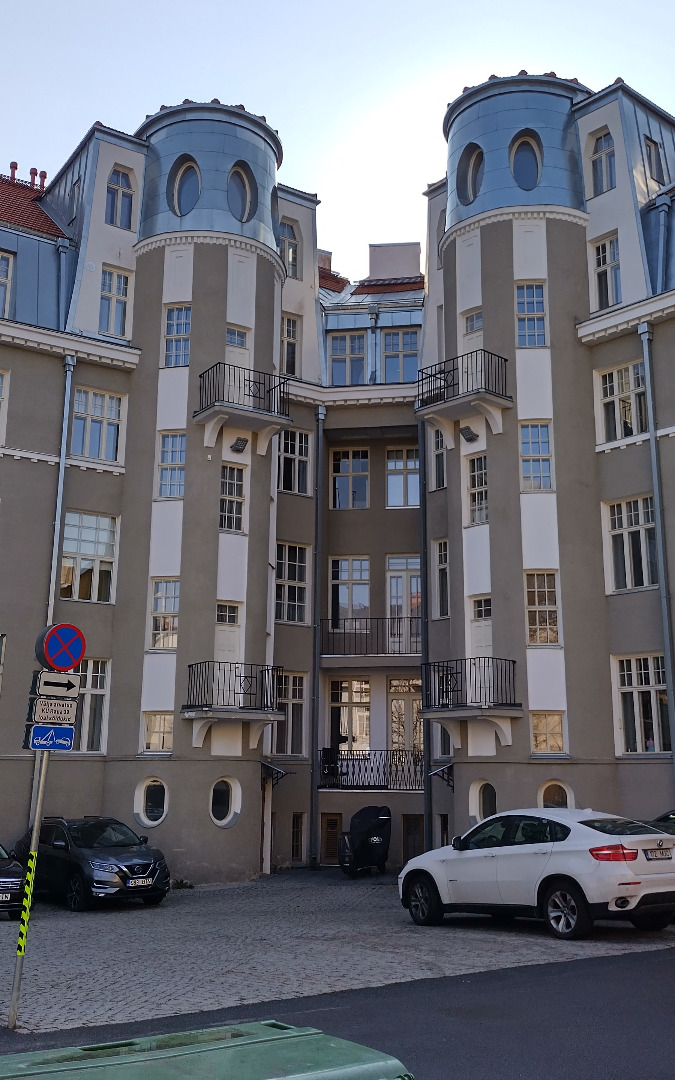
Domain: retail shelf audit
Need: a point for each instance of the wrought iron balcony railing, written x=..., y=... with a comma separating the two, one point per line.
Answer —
x=226, y=384
x=472, y=373
x=215, y=685
x=477, y=681
x=385, y=770
x=371, y=637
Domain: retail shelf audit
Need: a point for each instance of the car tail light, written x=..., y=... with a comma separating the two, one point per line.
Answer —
x=613, y=853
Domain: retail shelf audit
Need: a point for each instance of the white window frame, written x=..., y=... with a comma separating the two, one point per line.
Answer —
x=163, y=722
x=623, y=519
x=442, y=578
x=621, y=395
x=232, y=505
x=118, y=298
x=290, y=344
x=295, y=460
x=99, y=559
x=171, y=448
x=531, y=307
x=473, y=321
x=408, y=470
x=111, y=416
x=571, y=802
x=351, y=353
x=164, y=610
x=289, y=247
x=177, y=330
x=438, y=455
x=477, y=489
x=139, y=802
x=291, y=698
x=539, y=457
x=4, y=397
x=90, y=688
x=120, y=191
x=393, y=344
x=292, y=593
x=236, y=337
x=635, y=675
x=5, y=283
x=548, y=629
x=358, y=698
x=603, y=164
x=607, y=264
x=350, y=471
x=227, y=614
x=481, y=607
x=349, y=574
x=546, y=721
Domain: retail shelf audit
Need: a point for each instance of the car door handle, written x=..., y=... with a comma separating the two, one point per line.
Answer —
x=540, y=852
x=490, y=855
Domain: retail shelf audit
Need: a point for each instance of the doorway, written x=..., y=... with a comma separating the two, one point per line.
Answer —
x=331, y=827
x=413, y=835
x=404, y=603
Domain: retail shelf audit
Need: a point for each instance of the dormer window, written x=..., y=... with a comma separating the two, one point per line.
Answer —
x=603, y=164
x=288, y=248
x=119, y=199
x=654, y=165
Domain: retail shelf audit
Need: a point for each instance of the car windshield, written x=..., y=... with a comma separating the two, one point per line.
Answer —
x=3, y=853
x=618, y=826
x=102, y=834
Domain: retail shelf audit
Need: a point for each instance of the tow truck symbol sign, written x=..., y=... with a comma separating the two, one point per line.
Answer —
x=50, y=737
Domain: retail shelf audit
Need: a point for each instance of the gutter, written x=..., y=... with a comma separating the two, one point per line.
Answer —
x=314, y=853
x=424, y=614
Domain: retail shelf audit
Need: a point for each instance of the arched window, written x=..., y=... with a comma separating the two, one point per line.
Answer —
x=288, y=248
x=487, y=801
x=225, y=802
x=187, y=189
x=119, y=199
x=470, y=171
x=526, y=156
x=151, y=802
x=555, y=795
x=242, y=192
x=603, y=164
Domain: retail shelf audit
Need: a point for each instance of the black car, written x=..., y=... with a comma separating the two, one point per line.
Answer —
x=82, y=859
x=12, y=876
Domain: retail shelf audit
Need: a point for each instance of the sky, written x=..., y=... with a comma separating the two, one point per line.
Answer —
x=356, y=91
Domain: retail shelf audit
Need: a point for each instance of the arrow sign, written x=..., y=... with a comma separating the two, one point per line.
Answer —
x=54, y=684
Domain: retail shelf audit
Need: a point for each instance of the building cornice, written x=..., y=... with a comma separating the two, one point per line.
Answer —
x=227, y=239
x=625, y=319
x=62, y=343
x=514, y=213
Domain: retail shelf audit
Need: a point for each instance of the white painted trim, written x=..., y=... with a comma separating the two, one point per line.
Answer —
x=225, y=239
x=571, y=803
x=516, y=213
x=139, y=799
x=60, y=344
x=235, y=802
x=624, y=319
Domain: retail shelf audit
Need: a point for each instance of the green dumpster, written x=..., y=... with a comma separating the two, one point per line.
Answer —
x=259, y=1051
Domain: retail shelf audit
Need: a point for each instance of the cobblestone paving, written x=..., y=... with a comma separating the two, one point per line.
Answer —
x=281, y=937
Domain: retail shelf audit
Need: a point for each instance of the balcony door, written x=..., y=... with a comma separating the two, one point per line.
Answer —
x=405, y=722
x=404, y=592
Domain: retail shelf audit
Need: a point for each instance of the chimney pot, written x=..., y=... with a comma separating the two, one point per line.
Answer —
x=12, y=170
x=43, y=177
x=33, y=177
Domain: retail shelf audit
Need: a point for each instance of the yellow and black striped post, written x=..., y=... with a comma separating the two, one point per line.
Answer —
x=27, y=901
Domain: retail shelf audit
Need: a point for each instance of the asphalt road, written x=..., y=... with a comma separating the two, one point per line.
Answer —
x=606, y=1018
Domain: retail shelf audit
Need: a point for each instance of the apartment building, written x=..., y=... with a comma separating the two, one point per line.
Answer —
x=402, y=541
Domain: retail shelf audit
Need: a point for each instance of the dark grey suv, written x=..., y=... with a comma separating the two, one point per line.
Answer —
x=82, y=859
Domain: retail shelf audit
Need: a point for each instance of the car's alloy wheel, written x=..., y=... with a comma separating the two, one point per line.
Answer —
x=77, y=893
x=565, y=911
x=424, y=903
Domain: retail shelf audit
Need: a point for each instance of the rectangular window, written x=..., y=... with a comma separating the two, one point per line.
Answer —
x=6, y=261
x=350, y=592
x=112, y=315
x=547, y=733
x=235, y=337
x=231, y=498
x=289, y=731
x=172, y=465
x=478, y=491
x=177, y=338
x=288, y=248
x=535, y=457
x=289, y=345
x=473, y=322
x=291, y=587
x=347, y=359
x=403, y=477
x=643, y=705
x=350, y=480
x=92, y=705
x=96, y=425
x=227, y=614
x=158, y=736
x=633, y=540
x=439, y=459
x=482, y=607
x=350, y=713
x=297, y=838
x=88, y=557
x=400, y=351
x=530, y=316
x=624, y=406
x=603, y=164
x=74, y=202
x=119, y=199
x=165, y=600
x=294, y=462
x=654, y=165
x=607, y=272
x=542, y=608
x=442, y=580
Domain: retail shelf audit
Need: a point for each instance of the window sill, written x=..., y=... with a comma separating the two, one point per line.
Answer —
x=541, y=645
x=475, y=524
x=291, y=622
x=630, y=592
x=79, y=600
x=173, y=367
x=168, y=498
x=161, y=652
x=410, y=506
x=549, y=755
x=537, y=491
x=642, y=755
x=229, y=532
x=620, y=444
x=302, y=494
x=99, y=464
x=154, y=754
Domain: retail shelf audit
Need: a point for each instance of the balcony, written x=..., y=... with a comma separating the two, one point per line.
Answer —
x=248, y=399
x=474, y=381
x=380, y=770
x=224, y=697
x=480, y=690
x=371, y=637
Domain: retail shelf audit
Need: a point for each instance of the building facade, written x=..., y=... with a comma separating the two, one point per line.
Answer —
x=404, y=541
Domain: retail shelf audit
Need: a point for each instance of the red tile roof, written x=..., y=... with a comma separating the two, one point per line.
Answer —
x=328, y=279
x=389, y=285
x=18, y=207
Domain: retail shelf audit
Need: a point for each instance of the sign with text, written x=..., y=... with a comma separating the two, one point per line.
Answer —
x=53, y=711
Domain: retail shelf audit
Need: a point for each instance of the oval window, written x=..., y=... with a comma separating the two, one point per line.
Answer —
x=525, y=165
x=154, y=800
x=238, y=194
x=554, y=797
x=188, y=189
x=487, y=801
x=221, y=800
x=470, y=169
x=476, y=170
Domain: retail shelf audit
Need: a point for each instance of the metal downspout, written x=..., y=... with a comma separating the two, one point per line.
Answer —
x=663, y=206
x=646, y=333
x=314, y=854
x=424, y=614
x=62, y=248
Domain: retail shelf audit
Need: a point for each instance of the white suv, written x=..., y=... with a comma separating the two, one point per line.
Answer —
x=567, y=867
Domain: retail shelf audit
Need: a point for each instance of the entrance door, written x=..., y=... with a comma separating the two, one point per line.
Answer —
x=405, y=598
x=331, y=827
x=405, y=722
x=413, y=835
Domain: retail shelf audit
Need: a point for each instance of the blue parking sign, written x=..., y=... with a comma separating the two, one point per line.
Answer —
x=51, y=737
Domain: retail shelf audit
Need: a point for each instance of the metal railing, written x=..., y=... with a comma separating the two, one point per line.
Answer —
x=472, y=681
x=472, y=373
x=226, y=384
x=371, y=637
x=385, y=770
x=212, y=684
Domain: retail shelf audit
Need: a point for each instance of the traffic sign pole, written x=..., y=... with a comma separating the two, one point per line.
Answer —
x=28, y=893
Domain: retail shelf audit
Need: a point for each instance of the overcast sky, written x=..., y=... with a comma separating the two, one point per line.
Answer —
x=357, y=91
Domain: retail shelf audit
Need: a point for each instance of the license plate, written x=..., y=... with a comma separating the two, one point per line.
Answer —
x=139, y=881
x=658, y=853
x=5, y=896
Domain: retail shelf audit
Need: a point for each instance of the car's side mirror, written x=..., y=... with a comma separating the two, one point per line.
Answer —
x=457, y=843
x=143, y=839
x=60, y=845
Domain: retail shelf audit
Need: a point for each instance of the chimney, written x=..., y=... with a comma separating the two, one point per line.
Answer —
x=325, y=258
x=12, y=170
x=33, y=177
x=43, y=177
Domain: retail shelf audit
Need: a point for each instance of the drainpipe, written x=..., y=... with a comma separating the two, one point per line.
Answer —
x=646, y=333
x=314, y=854
x=370, y=375
x=62, y=248
x=663, y=206
x=424, y=614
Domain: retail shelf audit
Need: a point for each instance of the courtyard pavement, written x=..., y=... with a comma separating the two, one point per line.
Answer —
x=288, y=936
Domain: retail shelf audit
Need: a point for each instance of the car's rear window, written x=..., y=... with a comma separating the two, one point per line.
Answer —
x=618, y=826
